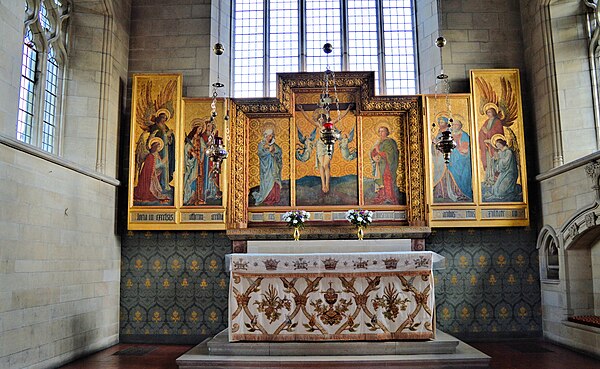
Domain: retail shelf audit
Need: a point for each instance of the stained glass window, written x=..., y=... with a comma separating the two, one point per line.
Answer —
x=27, y=90
x=41, y=73
x=50, y=101
x=249, y=46
x=367, y=35
x=284, y=47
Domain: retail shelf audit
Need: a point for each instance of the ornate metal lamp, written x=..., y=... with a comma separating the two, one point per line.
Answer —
x=216, y=150
x=444, y=142
x=329, y=135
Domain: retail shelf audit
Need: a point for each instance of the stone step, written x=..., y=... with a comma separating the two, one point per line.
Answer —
x=442, y=344
x=462, y=357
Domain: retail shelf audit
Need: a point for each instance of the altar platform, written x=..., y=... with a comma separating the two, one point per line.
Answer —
x=387, y=320
x=444, y=351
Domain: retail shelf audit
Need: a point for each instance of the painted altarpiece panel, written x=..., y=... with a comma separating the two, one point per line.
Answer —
x=383, y=161
x=384, y=158
x=170, y=184
x=373, y=130
x=500, y=156
x=204, y=191
x=450, y=186
x=269, y=162
x=321, y=179
x=153, y=142
x=484, y=183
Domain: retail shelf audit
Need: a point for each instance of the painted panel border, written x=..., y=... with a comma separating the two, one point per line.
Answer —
x=169, y=183
x=489, y=123
x=501, y=179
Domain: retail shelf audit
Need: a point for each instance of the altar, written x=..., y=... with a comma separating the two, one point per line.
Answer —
x=379, y=294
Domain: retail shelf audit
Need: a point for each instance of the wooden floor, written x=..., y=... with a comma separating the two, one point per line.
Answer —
x=530, y=354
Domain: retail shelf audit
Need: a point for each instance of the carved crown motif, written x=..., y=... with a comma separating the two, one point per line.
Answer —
x=271, y=264
x=330, y=263
x=361, y=264
x=240, y=265
x=391, y=263
x=300, y=264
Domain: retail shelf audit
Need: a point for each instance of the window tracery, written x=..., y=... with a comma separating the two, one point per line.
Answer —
x=43, y=62
x=280, y=36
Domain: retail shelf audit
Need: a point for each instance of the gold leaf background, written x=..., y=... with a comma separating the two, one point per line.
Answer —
x=281, y=127
x=370, y=133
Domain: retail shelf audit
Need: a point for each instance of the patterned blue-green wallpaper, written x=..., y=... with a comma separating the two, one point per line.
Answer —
x=490, y=287
x=174, y=284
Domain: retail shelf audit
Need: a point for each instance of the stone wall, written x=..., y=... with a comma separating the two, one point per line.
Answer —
x=557, y=63
x=567, y=194
x=426, y=14
x=563, y=194
x=480, y=34
x=96, y=83
x=178, y=38
x=59, y=254
x=11, y=26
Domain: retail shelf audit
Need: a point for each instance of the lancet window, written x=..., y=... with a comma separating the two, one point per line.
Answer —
x=275, y=36
x=43, y=62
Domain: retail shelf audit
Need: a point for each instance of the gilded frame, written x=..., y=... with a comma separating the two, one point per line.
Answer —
x=500, y=143
x=155, y=113
x=452, y=196
x=358, y=85
x=153, y=94
x=499, y=188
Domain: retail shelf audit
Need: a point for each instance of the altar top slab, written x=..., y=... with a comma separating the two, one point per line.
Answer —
x=355, y=262
x=328, y=246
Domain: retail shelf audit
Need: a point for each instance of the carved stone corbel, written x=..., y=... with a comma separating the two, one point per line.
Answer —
x=590, y=220
x=593, y=171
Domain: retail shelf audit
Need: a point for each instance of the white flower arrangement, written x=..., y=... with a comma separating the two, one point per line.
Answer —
x=360, y=218
x=296, y=218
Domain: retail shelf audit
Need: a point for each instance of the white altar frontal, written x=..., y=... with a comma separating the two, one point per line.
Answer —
x=377, y=294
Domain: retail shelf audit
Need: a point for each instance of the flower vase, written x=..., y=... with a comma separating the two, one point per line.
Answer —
x=360, y=232
x=296, y=234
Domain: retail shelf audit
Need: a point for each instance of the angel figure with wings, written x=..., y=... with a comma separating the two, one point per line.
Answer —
x=498, y=144
x=323, y=159
x=505, y=165
x=152, y=115
x=148, y=188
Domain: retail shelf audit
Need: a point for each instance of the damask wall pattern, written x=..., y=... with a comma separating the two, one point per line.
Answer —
x=490, y=287
x=174, y=284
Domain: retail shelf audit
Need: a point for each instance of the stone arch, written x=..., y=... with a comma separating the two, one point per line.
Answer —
x=583, y=228
x=580, y=237
x=548, y=244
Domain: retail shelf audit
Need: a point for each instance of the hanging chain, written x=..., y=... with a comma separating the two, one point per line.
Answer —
x=442, y=78
x=335, y=94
